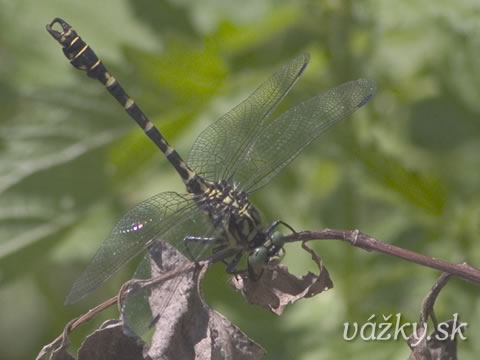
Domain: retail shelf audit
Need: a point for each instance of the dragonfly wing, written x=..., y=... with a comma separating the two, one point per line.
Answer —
x=220, y=145
x=284, y=138
x=146, y=222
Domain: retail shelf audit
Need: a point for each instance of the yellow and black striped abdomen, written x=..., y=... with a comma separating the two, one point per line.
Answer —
x=82, y=57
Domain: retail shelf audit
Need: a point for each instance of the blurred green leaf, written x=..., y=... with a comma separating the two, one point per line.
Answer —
x=402, y=169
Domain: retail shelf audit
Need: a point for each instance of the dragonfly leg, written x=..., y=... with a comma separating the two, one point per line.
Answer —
x=232, y=264
x=198, y=239
x=252, y=275
x=219, y=248
x=275, y=224
x=224, y=252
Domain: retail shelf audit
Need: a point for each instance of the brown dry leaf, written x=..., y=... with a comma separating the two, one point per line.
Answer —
x=435, y=346
x=442, y=342
x=186, y=327
x=110, y=342
x=278, y=288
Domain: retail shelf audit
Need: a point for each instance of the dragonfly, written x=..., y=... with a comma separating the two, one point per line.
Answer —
x=232, y=158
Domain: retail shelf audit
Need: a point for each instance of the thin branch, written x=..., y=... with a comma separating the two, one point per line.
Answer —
x=61, y=341
x=368, y=243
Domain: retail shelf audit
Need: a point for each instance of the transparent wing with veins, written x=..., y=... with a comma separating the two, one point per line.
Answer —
x=218, y=149
x=160, y=217
x=248, y=147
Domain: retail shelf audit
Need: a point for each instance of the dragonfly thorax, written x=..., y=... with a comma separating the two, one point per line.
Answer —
x=233, y=215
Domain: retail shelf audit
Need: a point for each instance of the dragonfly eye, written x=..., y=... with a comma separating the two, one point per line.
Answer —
x=277, y=239
x=258, y=257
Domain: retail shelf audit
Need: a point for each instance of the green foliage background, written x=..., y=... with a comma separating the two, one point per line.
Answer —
x=405, y=168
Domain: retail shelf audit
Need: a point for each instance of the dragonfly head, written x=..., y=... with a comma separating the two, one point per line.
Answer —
x=268, y=254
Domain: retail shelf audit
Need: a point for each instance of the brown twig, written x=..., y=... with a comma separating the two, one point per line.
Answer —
x=368, y=243
x=61, y=341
